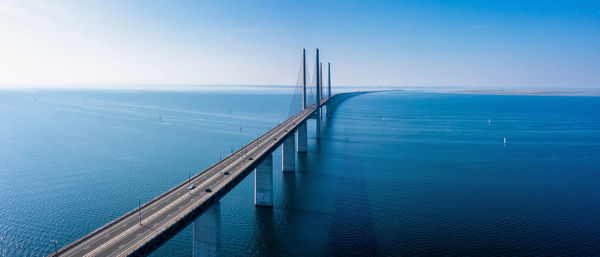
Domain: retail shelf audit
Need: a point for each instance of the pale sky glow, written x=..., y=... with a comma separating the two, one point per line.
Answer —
x=527, y=44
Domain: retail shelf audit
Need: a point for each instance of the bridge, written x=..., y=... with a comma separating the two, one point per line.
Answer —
x=141, y=231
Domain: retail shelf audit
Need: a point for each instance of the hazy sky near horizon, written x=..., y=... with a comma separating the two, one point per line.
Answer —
x=488, y=44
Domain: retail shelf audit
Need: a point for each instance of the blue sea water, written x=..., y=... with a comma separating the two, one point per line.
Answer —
x=401, y=173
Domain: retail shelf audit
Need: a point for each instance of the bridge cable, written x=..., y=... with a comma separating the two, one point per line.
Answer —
x=296, y=102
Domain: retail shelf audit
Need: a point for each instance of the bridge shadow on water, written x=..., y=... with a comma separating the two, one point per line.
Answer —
x=352, y=231
x=323, y=208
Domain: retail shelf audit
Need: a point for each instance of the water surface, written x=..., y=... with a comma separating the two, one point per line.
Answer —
x=399, y=173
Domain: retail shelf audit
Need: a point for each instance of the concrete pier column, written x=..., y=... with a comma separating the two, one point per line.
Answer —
x=207, y=232
x=288, y=154
x=318, y=125
x=302, y=143
x=263, y=182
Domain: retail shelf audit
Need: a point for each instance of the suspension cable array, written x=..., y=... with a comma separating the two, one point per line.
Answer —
x=306, y=82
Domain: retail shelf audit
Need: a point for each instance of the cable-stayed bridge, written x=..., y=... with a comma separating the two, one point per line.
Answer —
x=141, y=231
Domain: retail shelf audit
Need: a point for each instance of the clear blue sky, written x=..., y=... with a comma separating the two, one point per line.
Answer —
x=526, y=44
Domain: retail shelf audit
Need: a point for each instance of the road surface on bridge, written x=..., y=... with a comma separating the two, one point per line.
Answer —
x=125, y=236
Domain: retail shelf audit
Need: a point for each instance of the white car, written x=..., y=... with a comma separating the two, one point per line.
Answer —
x=192, y=186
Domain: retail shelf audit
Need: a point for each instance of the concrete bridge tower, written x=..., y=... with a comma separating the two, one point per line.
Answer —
x=318, y=102
x=328, y=81
x=302, y=131
x=320, y=88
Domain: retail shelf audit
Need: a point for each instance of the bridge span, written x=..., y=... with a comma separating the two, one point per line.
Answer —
x=141, y=231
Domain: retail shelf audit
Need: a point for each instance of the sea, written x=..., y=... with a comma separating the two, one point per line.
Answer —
x=400, y=173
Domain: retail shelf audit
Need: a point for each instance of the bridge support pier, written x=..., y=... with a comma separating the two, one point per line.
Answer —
x=263, y=182
x=302, y=147
x=318, y=118
x=288, y=154
x=207, y=232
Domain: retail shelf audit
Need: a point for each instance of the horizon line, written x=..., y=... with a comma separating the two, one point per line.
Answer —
x=174, y=86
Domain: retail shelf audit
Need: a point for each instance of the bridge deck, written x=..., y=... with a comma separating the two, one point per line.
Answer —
x=169, y=213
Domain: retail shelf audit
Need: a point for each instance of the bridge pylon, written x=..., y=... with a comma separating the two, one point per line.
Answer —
x=328, y=108
x=318, y=94
x=302, y=130
x=329, y=79
x=303, y=79
x=320, y=88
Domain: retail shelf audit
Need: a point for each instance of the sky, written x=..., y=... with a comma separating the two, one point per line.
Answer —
x=472, y=44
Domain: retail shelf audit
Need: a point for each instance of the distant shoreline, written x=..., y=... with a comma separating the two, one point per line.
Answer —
x=590, y=92
x=286, y=88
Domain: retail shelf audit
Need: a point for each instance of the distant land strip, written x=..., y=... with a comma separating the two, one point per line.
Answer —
x=587, y=92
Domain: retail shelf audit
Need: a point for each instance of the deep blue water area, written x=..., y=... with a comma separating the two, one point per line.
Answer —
x=396, y=173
